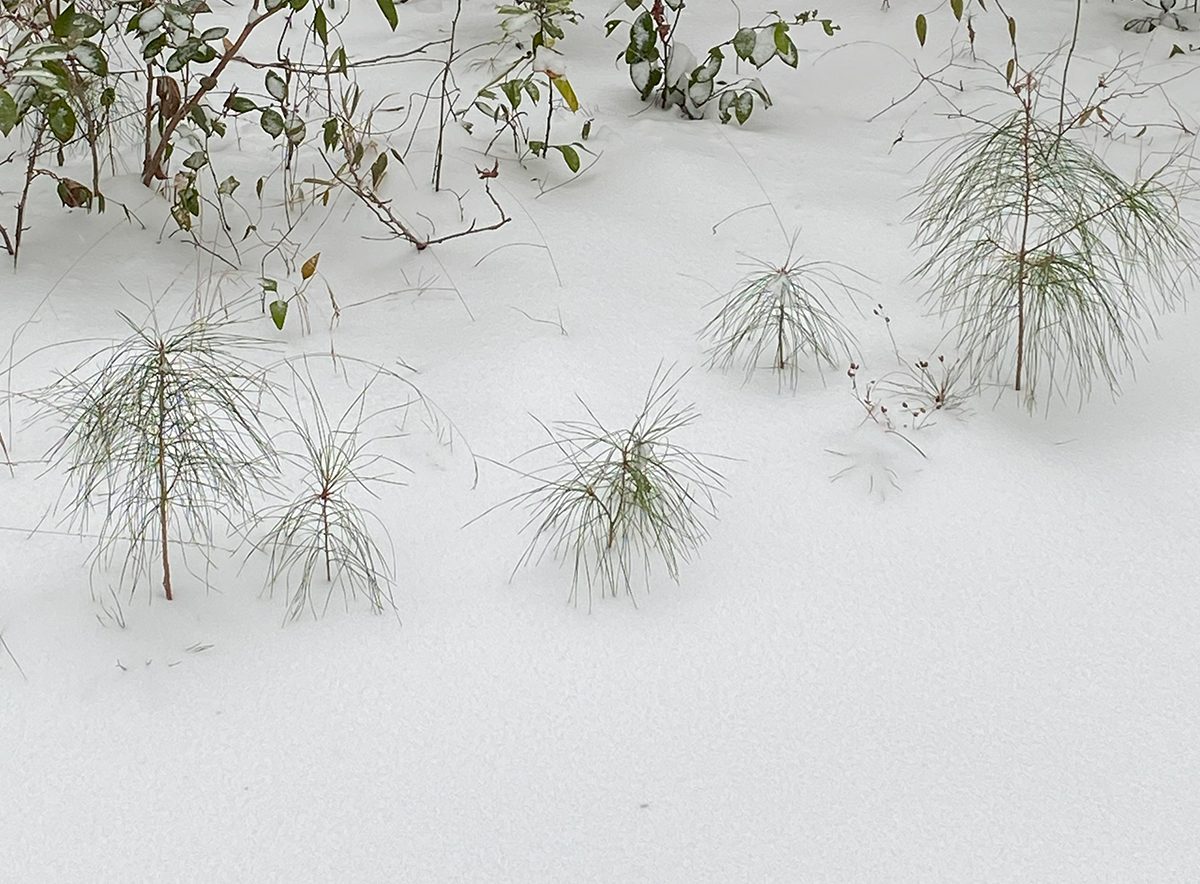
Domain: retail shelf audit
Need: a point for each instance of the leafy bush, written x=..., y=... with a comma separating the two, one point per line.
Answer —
x=659, y=63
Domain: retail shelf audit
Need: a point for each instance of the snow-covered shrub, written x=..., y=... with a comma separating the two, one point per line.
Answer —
x=663, y=68
x=532, y=66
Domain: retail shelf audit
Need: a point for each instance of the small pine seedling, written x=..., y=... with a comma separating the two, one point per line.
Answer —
x=322, y=534
x=617, y=499
x=786, y=314
x=161, y=440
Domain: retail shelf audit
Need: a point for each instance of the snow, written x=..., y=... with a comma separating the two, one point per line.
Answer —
x=991, y=672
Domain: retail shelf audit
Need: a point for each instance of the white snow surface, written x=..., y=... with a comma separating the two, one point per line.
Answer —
x=991, y=673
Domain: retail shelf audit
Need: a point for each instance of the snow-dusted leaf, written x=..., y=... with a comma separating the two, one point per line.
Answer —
x=700, y=91
x=272, y=122
x=276, y=87
x=91, y=58
x=61, y=119
x=725, y=104
x=642, y=35
x=784, y=47
x=764, y=47
x=756, y=86
x=680, y=65
x=743, y=105
x=744, y=42
x=639, y=72
x=294, y=128
x=150, y=20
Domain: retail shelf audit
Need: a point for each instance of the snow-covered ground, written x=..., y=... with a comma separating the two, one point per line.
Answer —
x=988, y=673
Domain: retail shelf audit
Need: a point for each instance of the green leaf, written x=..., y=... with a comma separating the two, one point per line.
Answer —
x=295, y=129
x=214, y=34
x=642, y=35
x=321, y=26
x=240, y=104
x=331, y=133
x=512, y=91
x=388, y=8
x=956, y=6
x=742, y=106
x=532, y=91
x=196, y=161
x=276, y=87
x=725, y=105
x=1012, y=30
x=378, y=169
x=586, y=130
x=61, y=119
x=784, y=46
x=568, y=94
x=922, y=29
x=272, y=123
x=182, y=55
x=744, y=42
x=154, y=47
x=710, y=68
x=61, y=26
x=268, y=285
x=91, y=58
x=570, y=155
x=146, y=21
x=279, y=309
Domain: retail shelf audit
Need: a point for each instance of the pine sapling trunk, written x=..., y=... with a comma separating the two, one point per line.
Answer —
x=779, y=360
x=163, y=494
x=1023, y=251
x=325, y=534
